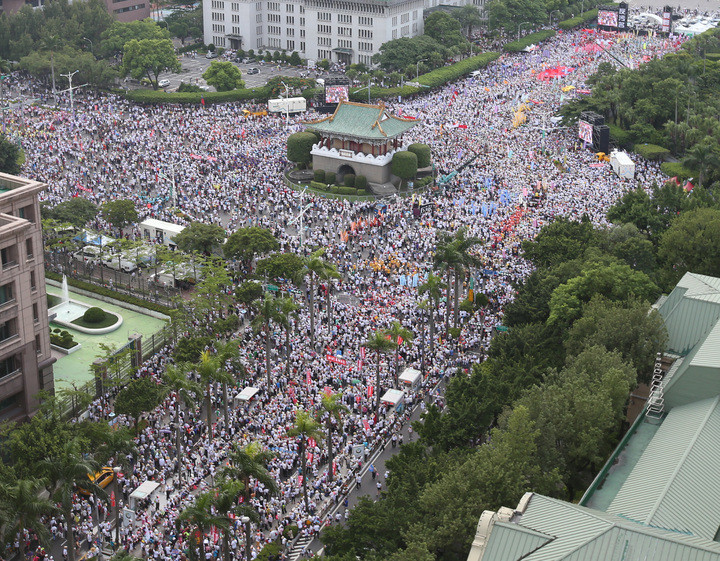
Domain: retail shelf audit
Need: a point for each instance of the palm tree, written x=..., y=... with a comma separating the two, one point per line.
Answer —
x=442, y=257
x=381, y=345
x=63, y=473
x=332, y=408
x=227, y=494
x=267, y=312
x=287, y=311
x=398, y=333
x=23, y=508
x=176, y=381
x=228, y=352
x=318, y=267
x=328, y=274
x=201, y=517
x=249, y=462
x=211, y=370
x=703, y=157
x=305, y=427
x=433, y=287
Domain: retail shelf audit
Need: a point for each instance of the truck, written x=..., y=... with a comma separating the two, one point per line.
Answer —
x=160, y=231
x=287, y=105
x=622, y=164
x=119, y=262
x=182, y=275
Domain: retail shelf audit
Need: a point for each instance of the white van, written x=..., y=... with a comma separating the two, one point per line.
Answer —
x=117, y=262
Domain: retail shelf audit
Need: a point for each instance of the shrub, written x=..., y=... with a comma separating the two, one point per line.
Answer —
x=334, y=189
x=330, y=177
x=404, y=164
x=361, y=182
x=299, y=146
x=532, y=39
x=349, y=180
x=318, y=185
x=230, y=323
x=291, y=531
x=319, y=175
x=676, y=169
x=622, y=137
x=651, y=151
x=362, y=192
x=94, y=315
x=62, y=339
x=194, y=47
x=347, y=191
x=269, y=552
x=422, y=151
x=578, y=20
x=260, y=94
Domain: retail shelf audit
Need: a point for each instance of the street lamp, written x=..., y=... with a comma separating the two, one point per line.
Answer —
x=89, y=41
x=246, y=522
x=116, y=471
x=519, y=26
x=417, y=67
x=551, y=13
x=287, y=103
x=69, y=76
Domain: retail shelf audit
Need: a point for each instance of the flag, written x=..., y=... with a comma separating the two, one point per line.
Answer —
x=307, y=377
x=112, y=499
x=202, y=100
x=370, y=391
x=399, y=340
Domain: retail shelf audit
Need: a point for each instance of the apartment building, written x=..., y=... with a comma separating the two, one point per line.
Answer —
x=25, y=359
x=344, y=31
x=123, y=10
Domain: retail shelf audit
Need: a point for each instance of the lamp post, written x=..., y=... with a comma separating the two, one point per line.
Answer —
x=551, y=14
x=520, y=26
x=246, y=522
x=417, y=67
x=287, y=103
x=69, y=76
x=116, y=470
x=91, y=43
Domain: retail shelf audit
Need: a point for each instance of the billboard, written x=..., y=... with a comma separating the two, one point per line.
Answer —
x=336, y=94
x=622, y=15
x=608, y=18
x=585, y=131
x=667, y=19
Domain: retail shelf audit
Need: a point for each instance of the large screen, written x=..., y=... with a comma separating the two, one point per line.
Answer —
x=608, y=18
x=585, y=131
x=336, y=94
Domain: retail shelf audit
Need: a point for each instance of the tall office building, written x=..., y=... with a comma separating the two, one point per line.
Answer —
x=25, y=359
x=123, y=10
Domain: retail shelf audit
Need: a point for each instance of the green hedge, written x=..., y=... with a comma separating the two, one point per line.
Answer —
x=361, y=182
x=583, y=18
x=319, y=175
x=651, y=151
x=102, y=291
x=676, y=169
x=349, y=180
x=713, y=56
x=347, y=191
x=159, y=96
x=435, y=78
x=318, y=185
x=330, y=177
x=194, y=47
x=532, y=39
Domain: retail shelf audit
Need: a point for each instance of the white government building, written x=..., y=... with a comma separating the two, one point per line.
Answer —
x=337, y=30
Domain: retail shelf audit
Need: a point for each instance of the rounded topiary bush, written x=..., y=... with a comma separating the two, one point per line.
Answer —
x=349, y=180
x=319, y=175
x=422, y=151
x=330, y=177
x=94, y=315
x=361, y=182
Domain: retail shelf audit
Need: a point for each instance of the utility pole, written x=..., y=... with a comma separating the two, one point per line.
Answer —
x=287, y=103
x=69, y=76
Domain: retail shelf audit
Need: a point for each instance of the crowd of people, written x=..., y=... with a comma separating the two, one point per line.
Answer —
x=228, y=170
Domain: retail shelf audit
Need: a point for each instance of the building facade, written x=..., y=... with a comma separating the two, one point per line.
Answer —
x=123, y=10
x=25, y=356
x=337, y=30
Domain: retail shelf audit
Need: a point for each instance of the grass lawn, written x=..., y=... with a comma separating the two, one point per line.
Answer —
x=110, y=319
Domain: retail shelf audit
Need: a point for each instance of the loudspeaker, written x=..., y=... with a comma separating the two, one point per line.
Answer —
x=601, y=138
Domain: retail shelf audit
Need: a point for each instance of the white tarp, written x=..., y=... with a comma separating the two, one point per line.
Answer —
x=393, y=397
x=247, y=394
x=410, y=376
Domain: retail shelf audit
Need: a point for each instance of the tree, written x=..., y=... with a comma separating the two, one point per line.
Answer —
x=288, y=266
x=690, y=244
x=703, y=157
x=190, y=349
x=314, y=267
x=468, y=16
x=148, y=58
x=226, y=504
x=433, y=287
x=630, y=328
x=200, y=237
x=422, y=151
x=139, y=396
x=249, y=462
x=211, y=370
x=267, y=312
x=444, y=28
x=294, y=59
x=76, y=211
x=328, y=273
x=63, y=473
x=396, y=332
x=379, y=343
x=176, y=381
x=299, y=146
x=332, y=409
x=9, y=156
x=228, y=353
x=180, y=30
x=114, y=39
x=225, y=76
x=200, y=516
x=404, y=164
x=245, y=243
x=562, y=240
x=248, y=291
x=120, y=212
x=305, y=427
x=22, y=507
x=287, y=311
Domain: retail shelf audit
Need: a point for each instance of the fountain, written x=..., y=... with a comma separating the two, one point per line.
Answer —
x=69, y=310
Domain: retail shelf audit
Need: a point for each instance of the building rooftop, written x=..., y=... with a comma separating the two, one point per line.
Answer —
x=362, y=121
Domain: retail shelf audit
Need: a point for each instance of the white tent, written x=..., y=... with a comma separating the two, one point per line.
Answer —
x=143, y=492
x=410, y=377
x=393, y=397
x=247, y=394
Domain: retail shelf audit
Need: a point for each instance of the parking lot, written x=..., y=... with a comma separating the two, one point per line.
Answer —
x=193, y=69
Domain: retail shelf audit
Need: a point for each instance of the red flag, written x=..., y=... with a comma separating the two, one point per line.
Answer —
x=300, y=479
x=370, y=391
x=334, y=468
x=309, y=457
x=366, y=425
x=307, y=377
x=400, y=340
x=112, y=499
x=311, y=442
x=202, y=100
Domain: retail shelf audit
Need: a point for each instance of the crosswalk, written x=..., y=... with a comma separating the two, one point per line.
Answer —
x=298, y=549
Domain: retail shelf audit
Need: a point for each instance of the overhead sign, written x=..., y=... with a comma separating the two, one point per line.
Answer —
x=336, y=360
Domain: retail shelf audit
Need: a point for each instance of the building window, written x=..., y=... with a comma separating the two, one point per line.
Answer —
x=326, y=29
x=290, y=20
x=8, y=366
x=404, y=18
x=365, y=33
x=344, y=18
x=235, y=7
x=38, y=346
x=27, y=212
x=364, y=20
x=29, y=248
x=365, y=46
x=129, y=9
x=258, y=18
x=325, y=41
x=290, y=31
x=345, y=31
x=6, y=293
x=289, y=8
x=8, y=328
x=36, y=316
x=394, y=21
x=405, y=30
x=302, y=22
x=33, y=286
x=394, y=34
x=258, y=31
x=290, y=46
x=324, y=16
x=274, y=18
x=302, y=46
x=415, y=27
x=9, y=256
x=302, y=33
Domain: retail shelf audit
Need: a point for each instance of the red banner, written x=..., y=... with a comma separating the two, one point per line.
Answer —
x=112, y=499
x=366, y=425
x=362, y=353
x=307, y=377
x=336, y=360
